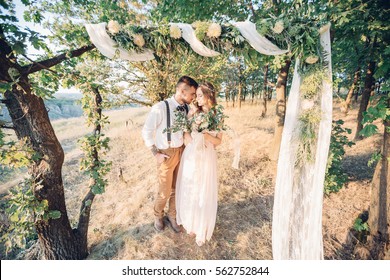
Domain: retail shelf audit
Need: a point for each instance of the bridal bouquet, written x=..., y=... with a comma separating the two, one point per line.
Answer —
x=213, y=120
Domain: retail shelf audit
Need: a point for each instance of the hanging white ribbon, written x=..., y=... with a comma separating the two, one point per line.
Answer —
x=258, y=42
x=99, y=37
x=189, y=35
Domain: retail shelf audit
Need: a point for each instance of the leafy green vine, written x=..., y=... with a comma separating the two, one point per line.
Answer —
x=95, y=144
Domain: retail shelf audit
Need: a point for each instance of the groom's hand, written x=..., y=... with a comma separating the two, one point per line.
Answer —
x=160, y=157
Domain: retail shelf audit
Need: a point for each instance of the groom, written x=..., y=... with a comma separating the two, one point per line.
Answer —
x=167, y=147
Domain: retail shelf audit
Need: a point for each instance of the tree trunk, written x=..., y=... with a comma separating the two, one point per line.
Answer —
x=378, y=89
x=239, y=94
x=264, y=99
x=31, y=121
x=357, y=94
x=253, y=93
x=269, y=96
x=379, y=217
x=233, y=96
x=372, y=93
x=280, y=109
x=227, y=98
x=245, y=91
x=368, y=85
x=356, y=77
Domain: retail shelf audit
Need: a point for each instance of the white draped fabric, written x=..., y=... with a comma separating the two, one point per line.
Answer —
x=297, y=211
x=108, y=47
x=188, y=34
x=258, y=42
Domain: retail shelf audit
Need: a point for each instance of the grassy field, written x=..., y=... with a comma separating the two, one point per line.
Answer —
x=121, y=226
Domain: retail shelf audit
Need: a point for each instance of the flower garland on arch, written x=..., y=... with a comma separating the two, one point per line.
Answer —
x=213, y=37
x=297, y=36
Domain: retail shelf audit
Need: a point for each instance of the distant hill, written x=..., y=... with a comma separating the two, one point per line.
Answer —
x=63, y=106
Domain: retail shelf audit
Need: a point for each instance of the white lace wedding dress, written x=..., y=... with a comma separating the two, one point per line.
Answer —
x=197, y=188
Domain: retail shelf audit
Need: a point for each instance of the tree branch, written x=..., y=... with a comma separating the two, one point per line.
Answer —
x=271, y=84
x=132, y=99
x=251, y=8
x=45, y=64
x=39, y=64
x=85, y=210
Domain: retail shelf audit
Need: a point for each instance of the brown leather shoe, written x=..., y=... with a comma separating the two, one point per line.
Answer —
x=159, y=224
x=176, y=228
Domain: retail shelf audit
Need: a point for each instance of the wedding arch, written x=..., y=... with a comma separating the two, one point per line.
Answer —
x=297, y=210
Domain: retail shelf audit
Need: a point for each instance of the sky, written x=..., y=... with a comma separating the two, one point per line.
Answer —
x=32, y=52
x=19, y=9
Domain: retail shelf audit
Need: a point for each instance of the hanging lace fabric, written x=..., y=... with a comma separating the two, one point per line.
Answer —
x=297, y=211
x=235, y=146
x=99, y=37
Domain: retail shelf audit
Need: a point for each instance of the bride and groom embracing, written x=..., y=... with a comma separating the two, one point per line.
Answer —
x=187, y=175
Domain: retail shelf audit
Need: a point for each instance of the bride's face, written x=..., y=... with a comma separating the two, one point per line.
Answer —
x=200, y=97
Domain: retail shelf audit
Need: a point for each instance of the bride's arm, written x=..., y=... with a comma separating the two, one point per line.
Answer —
x=213, y=140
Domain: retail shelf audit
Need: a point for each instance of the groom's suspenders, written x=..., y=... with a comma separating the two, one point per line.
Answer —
x=169, y=121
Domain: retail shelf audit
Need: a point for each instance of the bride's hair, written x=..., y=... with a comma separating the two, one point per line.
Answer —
x=209, y=91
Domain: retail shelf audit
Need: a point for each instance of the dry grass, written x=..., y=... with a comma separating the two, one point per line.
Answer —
x=121, y=226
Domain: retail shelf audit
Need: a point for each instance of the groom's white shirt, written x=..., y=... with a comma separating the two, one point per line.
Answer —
x=156, y=122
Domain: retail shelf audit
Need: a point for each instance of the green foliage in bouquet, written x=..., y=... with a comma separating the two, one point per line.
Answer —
x=181, y=123
x=213, y=120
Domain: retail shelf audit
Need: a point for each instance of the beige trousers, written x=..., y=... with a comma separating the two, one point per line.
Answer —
x=167, y=174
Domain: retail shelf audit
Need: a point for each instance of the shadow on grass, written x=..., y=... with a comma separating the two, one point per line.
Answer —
x=233, y=219
x=355, y=166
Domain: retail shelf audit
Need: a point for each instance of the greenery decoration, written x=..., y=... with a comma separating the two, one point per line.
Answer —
x=23, y=210
x=335, y=178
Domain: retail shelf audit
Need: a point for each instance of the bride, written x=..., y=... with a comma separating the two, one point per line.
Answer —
x=196, y=185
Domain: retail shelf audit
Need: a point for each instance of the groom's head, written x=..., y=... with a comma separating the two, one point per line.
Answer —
x=186, y=89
